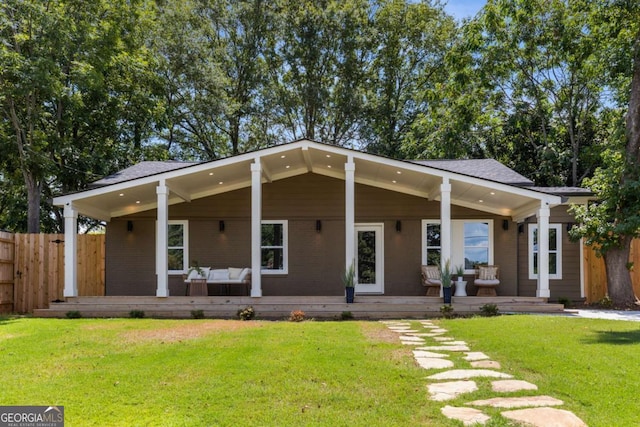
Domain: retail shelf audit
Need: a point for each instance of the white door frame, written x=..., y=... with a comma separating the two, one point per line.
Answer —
x=378, y=287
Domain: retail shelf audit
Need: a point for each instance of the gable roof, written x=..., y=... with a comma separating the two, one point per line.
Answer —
x=484, y=184
x=490, y=169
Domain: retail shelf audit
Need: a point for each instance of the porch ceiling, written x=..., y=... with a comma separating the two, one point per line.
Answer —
x=280, y=162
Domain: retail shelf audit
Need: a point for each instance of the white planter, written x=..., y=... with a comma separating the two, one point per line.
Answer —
x=461, y=288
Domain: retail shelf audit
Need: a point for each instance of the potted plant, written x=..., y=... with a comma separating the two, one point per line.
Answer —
x=460, y=272
x=349, y=280
x=445, y=276
x=197, y=269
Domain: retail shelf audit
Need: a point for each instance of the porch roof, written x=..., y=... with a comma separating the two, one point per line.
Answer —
x=484, y=184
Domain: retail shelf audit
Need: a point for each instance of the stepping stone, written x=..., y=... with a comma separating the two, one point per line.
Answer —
x=454, y=343
x=410, y=338
x=430, y=326
x=463, y=374
x=507, y=386
x=445, y=348
x=432, y=334
x=486, y=364
x=439, y=330
x=468, y=416
x=419, y=334
x=518, y=402
x=434, y=363
x=545, y=417
x=422, y=353
x=412, y=342
x=401, y=329
x=440, y=339
x=447, y=391
x=476, y=355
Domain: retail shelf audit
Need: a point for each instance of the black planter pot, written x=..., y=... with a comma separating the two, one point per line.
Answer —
x=350, y=293
x=447, y=294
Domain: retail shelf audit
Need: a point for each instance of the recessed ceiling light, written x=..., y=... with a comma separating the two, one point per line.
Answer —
x=210, y=173
x=121, y=194
x=283, y=156
x=394, y=181
x=481, y=201
x=221, y=183
x=399, y=172
x=287, y=166
x=328, y=156
x=137, y=202
x=329, y=166
x=493, y=193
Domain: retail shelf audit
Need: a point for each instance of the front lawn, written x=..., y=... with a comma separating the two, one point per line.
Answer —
x=593, y=365
x=139, y=372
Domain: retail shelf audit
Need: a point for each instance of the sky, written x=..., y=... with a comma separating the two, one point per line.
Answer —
x=463, y=8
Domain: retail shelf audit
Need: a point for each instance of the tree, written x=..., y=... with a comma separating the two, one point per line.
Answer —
x=318, y=65
x=539, y=59
x=613, y=220
x=67, y=94
x=407, y=70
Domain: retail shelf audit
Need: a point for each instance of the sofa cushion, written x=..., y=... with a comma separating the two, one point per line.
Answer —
x=194, y=274
x=244, y=274
x=219, y=274
x=487, y=273
x=234, y=273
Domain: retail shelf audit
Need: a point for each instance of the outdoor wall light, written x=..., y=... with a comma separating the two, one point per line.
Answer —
x=520, y=228
x=221, y=226
x=398, y=226
x=318, y=226
x=129, y=226
x=505, y=224
x=569, y=226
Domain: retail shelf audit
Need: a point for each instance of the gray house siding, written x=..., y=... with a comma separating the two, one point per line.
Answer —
x=316, y=260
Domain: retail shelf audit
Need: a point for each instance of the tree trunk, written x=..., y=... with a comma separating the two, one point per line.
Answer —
x=34, y=194
x=619, y=284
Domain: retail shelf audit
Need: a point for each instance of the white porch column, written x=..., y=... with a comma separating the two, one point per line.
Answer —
x=256, y=229
x=162, y=241
x=350, y=212
x=70, y=251
x=445, y=223
x=543, y=251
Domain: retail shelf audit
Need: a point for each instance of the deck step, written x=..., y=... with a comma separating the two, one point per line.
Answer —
x=365, y=307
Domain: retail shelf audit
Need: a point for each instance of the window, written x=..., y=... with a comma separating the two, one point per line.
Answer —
x=555, y=251
x=177, y=246
x=476, y=244
x=431, y=241
x=471, y=243
x=274, y=247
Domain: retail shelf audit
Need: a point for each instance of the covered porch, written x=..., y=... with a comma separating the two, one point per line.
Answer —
x=257, y=182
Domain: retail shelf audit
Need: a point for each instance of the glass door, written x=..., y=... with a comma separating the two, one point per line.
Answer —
x=369, y=259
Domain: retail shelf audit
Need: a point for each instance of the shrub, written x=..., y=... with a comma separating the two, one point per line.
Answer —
x=136, y=314
x=489, y=310
x=197, y=314
x=297, y=316
x=346, y=315
x=246, y=313
x=565, y=301
x=73, y=314
x=447, y=311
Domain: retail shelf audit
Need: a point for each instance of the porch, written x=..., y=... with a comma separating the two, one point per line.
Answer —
x=279, y=307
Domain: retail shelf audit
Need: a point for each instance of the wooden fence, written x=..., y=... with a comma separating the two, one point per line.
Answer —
x=595, y=275
x=32, y=273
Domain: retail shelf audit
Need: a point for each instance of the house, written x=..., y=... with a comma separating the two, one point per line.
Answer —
x=301, y=213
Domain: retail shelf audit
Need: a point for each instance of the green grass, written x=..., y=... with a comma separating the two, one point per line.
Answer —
x=138, y=372
x=592, y=365
x=143, y=372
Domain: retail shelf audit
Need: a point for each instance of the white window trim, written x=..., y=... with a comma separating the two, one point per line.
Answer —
x=457, y=244
x=558, y=274
x=185, y=248
x=285, y=248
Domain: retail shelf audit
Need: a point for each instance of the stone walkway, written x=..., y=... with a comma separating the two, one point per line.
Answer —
x=451, y=383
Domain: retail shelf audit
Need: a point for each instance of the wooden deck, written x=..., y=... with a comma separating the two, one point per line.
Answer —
x=271, y=307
